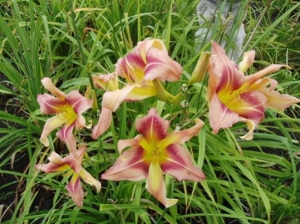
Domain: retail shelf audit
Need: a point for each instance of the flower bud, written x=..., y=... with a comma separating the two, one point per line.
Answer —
x=201, y=68
x=165, y=95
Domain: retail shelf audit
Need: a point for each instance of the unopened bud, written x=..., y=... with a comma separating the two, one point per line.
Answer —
x=165, y=95
x=94, y=99
x=247, y=61
x=201, y=68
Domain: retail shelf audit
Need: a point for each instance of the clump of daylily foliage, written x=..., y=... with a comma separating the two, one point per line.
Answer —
x=232, y=97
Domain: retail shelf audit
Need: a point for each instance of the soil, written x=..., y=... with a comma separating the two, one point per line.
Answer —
x=12, y=186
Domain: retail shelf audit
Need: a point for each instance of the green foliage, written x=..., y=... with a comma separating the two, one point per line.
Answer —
x=253, y=181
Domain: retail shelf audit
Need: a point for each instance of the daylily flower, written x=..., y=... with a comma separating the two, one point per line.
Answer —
x=153, y=153
x=72, y=164
x=147, y=63
x=234, y=97
x=67, y=108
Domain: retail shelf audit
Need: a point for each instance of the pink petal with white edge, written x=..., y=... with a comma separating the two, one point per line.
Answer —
x=251, y=105
x=75, y=190
x=224, y=75
x=50, y=104
x=131, y=67
x=103, y=123
x=129, y=166
x=181, y=165
x=155, y=184
x=213, y=81
x=161, y=66
x=78, y=102
x=145, y=45
x=152, y=126
x=231, y=79
x=220, y=116
x=221, y=61
x=47, y=83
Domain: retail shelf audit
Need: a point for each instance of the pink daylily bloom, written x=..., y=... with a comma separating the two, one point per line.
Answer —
x=68, y=109
x=234, y=97
x=72, y=164
x=155, y=152
x=147, y=62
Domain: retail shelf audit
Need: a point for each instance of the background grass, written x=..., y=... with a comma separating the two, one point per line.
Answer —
x=253, y=181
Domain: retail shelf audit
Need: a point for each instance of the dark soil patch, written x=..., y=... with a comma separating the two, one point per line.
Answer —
x=12, y=185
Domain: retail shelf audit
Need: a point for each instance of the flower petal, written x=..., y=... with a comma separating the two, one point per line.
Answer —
x=56, y=164
x=181, y=165
x=225, y=76
x=251, y=79
x=74, y=159
x=112, y=100
x=123, y=143
x=223, y=66
x=103, y=123
x=47, y=83
x=131, y=67
x=55, y=158
x=152, y=126
x=50, y=104
x=51, y=124
x=250, y=105
x=277, y=100
x=179, y=137
x=220, y=116
x=78, y=102
x=251, y=126
x=129, y=166
x=65, y=134
x=140, y=92
x=155, y=184
x=149, y=60
x=75, y=190
x=161, y=66
x=144, y=46
x=213, y=81
x=258, y=85
x=87, y=177
x=80, y=122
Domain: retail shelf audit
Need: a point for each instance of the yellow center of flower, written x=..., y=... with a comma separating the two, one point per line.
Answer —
x=135, y=74
x=153, y=153
x=67, y=114
x=231, y=100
